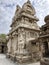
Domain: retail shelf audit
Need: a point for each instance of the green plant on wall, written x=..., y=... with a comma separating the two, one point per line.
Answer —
x=3, y=38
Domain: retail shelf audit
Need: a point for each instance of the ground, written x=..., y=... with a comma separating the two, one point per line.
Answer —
x=5, y=61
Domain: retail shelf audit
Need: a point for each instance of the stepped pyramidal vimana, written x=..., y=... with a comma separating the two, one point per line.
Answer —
x=27, y=42
x=23, y=37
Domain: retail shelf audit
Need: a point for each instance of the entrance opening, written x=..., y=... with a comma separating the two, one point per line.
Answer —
x=33, y=43
x=46, y=54
x=2, y=49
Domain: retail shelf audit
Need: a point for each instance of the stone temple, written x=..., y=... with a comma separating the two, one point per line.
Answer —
x=44, y=42
x=23, y=44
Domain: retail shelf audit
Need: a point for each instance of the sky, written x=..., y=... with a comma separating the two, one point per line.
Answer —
x=8, y=7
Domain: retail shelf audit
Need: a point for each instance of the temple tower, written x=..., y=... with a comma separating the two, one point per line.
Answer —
x=24, y=32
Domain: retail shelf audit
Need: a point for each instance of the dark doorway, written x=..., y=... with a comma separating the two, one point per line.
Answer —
x=46, y=54
x=2, y=49
x=33, y=43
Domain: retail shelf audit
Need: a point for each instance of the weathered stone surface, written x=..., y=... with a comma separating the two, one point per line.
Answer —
x=45, y=42
x=44, y=61
x=24, y=34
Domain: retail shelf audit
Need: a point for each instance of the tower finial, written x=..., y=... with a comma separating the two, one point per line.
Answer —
x=28, y=1
x=18, y=6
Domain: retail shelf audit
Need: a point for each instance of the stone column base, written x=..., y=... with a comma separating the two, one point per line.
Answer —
x=7, y=55
x=13, y=57
x=23, y=59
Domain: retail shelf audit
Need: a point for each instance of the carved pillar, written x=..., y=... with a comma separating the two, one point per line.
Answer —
x=15, y=43
x=22, y=21
x=12, y=42
x=26, y=20
x=9, y=44
x=21, y=40
x=41, y=47
x=48, y=45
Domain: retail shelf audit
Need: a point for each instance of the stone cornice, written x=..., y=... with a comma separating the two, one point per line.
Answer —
x=26, y=15
x=30, y=16
x=44, y=36
x=22, y=25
